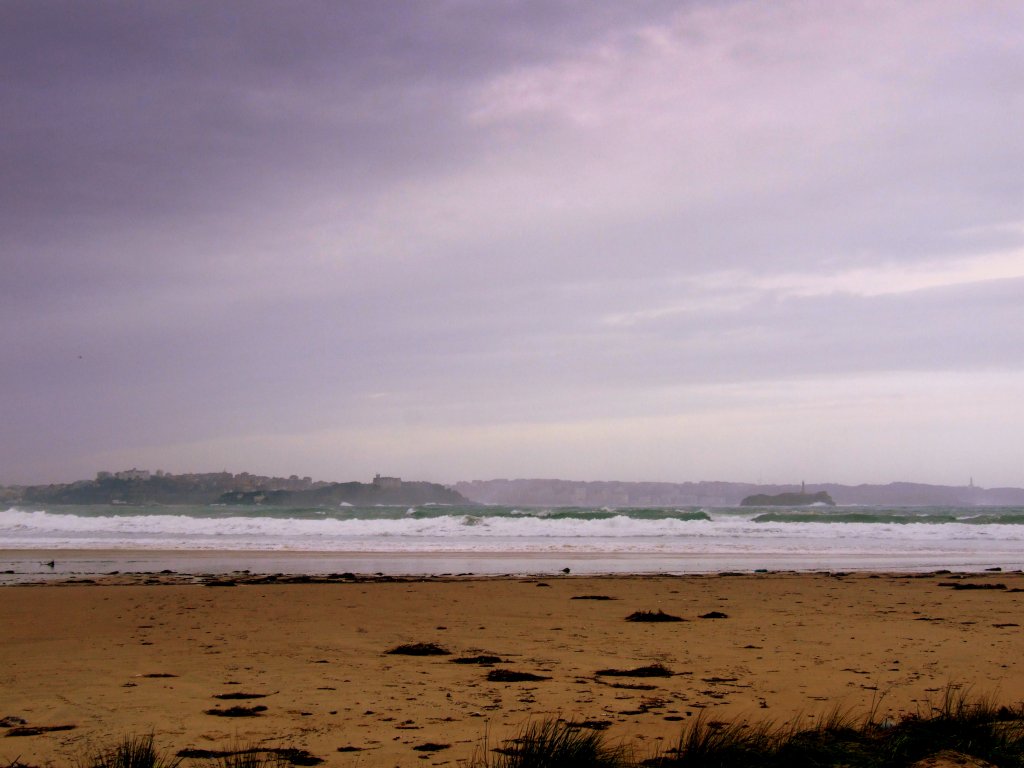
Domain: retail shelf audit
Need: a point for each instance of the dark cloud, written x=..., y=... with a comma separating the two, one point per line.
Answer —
x=247, y=218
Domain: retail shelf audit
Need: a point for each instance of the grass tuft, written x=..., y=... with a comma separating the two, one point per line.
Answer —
x=131, y=752
x=961, y=724
x=556, y=744
x=956, y=725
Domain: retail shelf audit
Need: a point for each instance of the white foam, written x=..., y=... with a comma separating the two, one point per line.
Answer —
x=461, y=532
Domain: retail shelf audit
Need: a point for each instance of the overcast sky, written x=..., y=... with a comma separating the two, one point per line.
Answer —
x=753, y=241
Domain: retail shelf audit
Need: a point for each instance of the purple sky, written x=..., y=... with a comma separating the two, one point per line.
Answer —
x=462, y=240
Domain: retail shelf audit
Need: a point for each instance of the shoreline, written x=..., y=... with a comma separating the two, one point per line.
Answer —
x=112, y=660
x=31, y=565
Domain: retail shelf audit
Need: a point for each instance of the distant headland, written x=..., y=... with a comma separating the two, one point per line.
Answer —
x=140, y=486
x=713, y=493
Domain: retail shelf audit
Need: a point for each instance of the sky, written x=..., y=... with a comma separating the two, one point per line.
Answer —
x=453, y=240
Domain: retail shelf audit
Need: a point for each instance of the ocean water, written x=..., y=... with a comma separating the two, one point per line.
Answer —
x=494, y=539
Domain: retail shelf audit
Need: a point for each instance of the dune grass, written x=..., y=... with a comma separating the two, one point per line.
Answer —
x=555, y=744
x=130, y=752
x=957, y=724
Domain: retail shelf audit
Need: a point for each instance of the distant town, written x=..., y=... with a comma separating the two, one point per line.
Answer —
x=142, y=486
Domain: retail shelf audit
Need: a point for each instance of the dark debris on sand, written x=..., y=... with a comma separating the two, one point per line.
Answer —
x=970, y=585
x=653, y=616
x=651, y=670
x=482, y=659
x=629, y=686
x=420, y=649
x=35, y=730
x=591, y=725
x=511, y=676
x=290, y=755
x=238, y=711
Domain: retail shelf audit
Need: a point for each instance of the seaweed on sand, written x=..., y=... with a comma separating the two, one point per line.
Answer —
x=238, y=711
x=511, y=676
x=420, y=649
x=431, y=747
x=254, y=757
x=651, y=670
x=654, y=616
x=35, y=730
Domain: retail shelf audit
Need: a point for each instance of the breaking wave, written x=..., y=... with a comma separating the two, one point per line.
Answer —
x=511, y=529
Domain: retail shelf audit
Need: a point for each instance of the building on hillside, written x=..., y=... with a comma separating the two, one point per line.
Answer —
x=387, y=482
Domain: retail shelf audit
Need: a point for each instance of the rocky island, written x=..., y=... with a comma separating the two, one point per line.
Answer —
x=800, y=499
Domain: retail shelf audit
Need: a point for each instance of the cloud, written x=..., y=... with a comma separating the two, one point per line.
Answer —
x=230, y=225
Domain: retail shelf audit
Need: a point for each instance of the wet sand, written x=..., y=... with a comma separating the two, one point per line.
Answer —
x=19, y=566
x=123, y=655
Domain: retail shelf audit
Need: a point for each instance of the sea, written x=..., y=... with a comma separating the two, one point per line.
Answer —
x=433, y=540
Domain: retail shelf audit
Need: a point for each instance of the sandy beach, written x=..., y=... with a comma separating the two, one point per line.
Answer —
x=133, y=654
